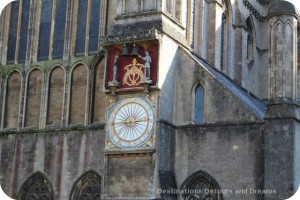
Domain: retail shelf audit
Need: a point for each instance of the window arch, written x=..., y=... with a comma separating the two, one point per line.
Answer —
x=223, y=33
x=36, y=187
x=199, y=105
x=87, y=187
x=225, y=21
x=202, y=185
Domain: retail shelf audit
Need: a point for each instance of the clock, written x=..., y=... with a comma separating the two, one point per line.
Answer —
x=131, y=122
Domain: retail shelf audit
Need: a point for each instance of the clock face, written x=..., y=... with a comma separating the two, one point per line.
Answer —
x=130, y=123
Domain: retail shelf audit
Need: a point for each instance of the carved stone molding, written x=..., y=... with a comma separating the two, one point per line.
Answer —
x=133, y=32
x=254, y=11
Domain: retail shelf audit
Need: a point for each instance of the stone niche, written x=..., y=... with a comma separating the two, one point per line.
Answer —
x=129, y=175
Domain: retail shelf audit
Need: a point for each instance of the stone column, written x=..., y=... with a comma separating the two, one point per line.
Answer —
x=283, y=51
x=214, y=26
x=282, y=127
x=211, y=31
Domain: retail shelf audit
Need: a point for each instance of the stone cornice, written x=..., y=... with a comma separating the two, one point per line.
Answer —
x=254, y=11
x=133, y=32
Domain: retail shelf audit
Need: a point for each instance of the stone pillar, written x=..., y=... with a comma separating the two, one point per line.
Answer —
x=282, y=118
x=283, y=51
x=213, y=39
x=211, y=31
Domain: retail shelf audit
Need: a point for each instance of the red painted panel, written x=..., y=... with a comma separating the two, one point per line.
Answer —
x=125, y=64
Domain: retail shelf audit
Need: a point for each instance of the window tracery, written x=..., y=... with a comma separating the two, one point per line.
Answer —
x=200, y=186
x=87, y=187
x=37, y=187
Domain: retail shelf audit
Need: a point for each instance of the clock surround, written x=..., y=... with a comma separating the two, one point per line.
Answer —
x=130, y=123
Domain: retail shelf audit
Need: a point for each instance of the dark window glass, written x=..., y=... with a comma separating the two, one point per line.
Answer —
x=94, y=27
x=24, y=30
x=12, y=36
x=81, y=27
x=199, y=105
x=59, y=29
x=45, y=30
x=222, y=40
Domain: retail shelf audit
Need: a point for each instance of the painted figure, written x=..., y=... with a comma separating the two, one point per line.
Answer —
x=148, y=61
x=115, y=68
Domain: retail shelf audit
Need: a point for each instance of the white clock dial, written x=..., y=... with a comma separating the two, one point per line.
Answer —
x=131, y=122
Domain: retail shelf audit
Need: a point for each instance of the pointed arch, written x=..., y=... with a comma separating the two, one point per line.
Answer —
x=201, y=181
x=12, y=99
x=78, y=94
x=87, y=186
x=226, y=21
x=98, y=96
x=55, y=101
x=33, y=100
x=198, y=103
x=36, y=187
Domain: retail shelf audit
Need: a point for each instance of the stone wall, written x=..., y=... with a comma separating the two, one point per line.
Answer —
x=61, y=155
x=232, y=154
x=50, y=95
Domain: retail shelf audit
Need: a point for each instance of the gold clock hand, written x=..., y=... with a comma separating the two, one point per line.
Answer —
x=131, y=121
x=119, y=122
x=140, y=120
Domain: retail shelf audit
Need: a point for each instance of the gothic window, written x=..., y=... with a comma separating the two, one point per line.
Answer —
x=202, y=186
x=37, y=187
x=87, y=187
x=223, y=40
x=59, y=29
x=199, y=105
x=88, y=27
x=94, y=26
x=45, y=30
x=81, y=26
x=24, y=30
x=12, y=36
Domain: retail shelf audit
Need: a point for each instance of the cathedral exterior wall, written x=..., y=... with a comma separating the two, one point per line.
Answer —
x=126, y=99
x=239, y=159
x=62, y=155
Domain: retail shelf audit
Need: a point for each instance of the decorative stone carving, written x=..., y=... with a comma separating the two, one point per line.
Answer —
x=254, y=11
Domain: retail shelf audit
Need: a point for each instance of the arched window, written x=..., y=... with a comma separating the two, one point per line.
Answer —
x=12, y=36
x=37, y=187
x=45, y=30
x=199, y=105
x=223, y=25
x=203, y=186
x=59, y=29
x=87, y=187
x=24, y=31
